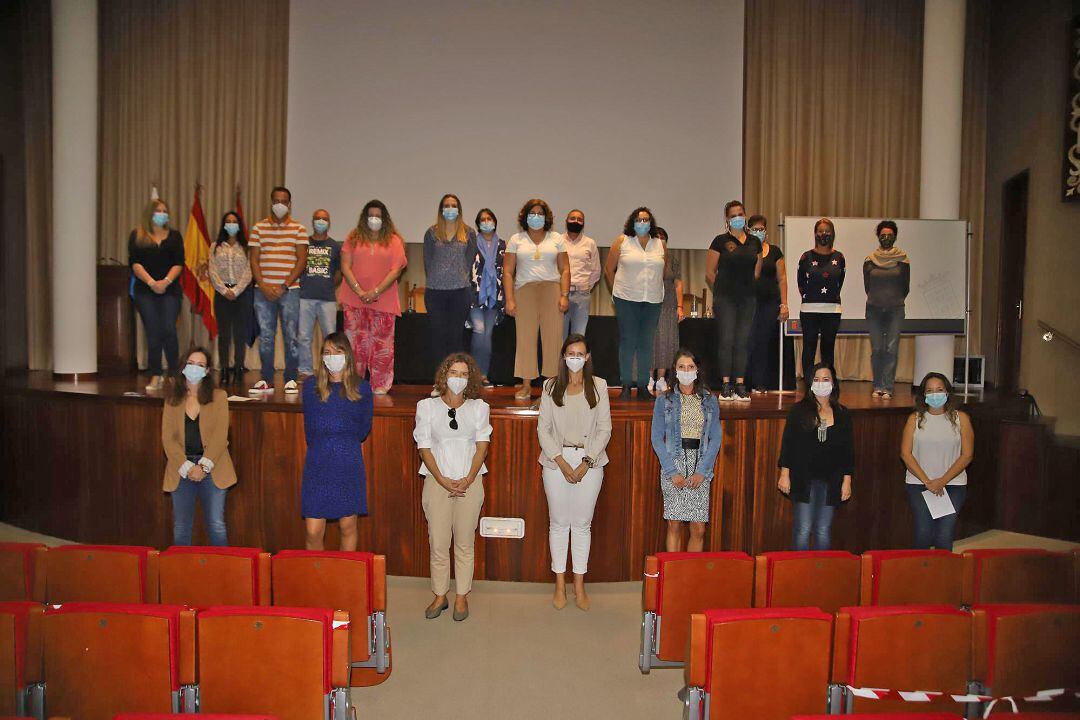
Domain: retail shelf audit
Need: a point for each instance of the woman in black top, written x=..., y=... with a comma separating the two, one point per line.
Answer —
x=817, y=460
x=821, y=278
x=156, y=257
x=732, y=265
x=771, y=291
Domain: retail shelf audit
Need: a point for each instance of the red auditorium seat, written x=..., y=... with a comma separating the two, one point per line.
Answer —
x=886, y=716
x=21, y=638
x=825, y=579
x=901, y=648
x=761, y=663
x=350, y=581
x=911, y=577
x=680, y=584
x=289, y=662
x=205, y=576
x=1017, y=576
x=17, y=570
x=105, y=658
x=1022, y=649
x=99, y=573
x=202, y=716
x=1008, y=714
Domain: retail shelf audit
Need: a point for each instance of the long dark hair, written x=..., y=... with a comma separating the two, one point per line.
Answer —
x=700, y=387
x=178, y=392
x=952, y=405
x=556, y=386
x=241, y=236
x=805, y=411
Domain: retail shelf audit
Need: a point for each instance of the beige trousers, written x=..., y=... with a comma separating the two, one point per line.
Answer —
x=537, y=309
x=457, y=518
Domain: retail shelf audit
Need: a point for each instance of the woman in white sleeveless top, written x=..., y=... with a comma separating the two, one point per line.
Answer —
x=938, y=446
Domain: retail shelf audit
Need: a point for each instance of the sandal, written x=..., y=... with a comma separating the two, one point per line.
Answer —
x=523, y=393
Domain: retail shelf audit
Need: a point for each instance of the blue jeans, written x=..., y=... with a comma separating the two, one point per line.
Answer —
x=812, y=518
x=159, y=313
x=267, y=313
x=576, y=318
x=637, y=328
x=928, y=531
x=213, y=504
x=483, y=328
x=884, y=324
x=311, y=311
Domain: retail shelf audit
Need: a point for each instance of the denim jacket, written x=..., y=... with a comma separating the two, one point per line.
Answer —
x=667, y=432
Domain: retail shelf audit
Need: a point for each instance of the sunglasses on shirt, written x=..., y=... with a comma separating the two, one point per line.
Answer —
x=452, y=414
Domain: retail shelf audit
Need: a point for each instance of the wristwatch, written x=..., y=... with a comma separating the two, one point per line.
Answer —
x=589, y=461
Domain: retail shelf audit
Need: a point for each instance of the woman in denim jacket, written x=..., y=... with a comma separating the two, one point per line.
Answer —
x=686, y=440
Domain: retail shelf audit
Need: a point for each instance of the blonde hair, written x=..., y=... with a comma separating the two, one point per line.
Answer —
x=143, y=236
x=442, y=227
x=350, y=381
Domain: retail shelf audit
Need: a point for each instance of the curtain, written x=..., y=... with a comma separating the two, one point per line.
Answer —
x=973, y=157
x=191, y=92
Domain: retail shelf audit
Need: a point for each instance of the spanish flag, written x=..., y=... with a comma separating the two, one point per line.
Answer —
x=196, y=276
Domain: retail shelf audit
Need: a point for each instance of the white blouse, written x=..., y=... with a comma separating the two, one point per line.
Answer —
x=536, y=262
x=639, y=276
x=936, y=446
x=453, y=449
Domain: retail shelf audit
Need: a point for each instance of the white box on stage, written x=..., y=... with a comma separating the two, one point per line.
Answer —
x=498, y=527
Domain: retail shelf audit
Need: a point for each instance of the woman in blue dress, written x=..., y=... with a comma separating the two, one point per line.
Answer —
x=337, y=419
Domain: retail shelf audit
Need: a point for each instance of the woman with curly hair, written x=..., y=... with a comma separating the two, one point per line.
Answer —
x=452, y=434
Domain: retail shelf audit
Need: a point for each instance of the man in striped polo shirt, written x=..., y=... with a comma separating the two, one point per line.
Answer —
x=278, y=248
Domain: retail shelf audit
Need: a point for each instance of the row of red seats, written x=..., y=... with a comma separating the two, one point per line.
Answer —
x=91, y=661
x=772, y=663
x=679, y=584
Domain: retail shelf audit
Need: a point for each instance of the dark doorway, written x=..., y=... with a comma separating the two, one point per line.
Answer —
x=1010, y=311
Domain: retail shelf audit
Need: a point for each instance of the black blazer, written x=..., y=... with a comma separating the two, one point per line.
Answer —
x=799, y=446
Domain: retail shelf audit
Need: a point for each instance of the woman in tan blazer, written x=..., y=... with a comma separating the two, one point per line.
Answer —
x=574, y=429
x=195, y=435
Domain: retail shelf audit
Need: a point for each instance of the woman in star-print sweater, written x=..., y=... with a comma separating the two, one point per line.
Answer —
x=821, y=277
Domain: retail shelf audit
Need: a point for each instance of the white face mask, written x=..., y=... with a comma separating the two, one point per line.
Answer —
x=457, y=385
x=374, y=223
x=686, y=377
x=822, y=388
x=575, y=363
x=334, y=363
x=280, y=210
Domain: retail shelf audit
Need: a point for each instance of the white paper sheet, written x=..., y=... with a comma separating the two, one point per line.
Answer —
x=239, y=398
x=938, y=505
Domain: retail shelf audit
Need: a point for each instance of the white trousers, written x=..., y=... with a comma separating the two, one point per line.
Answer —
x=570, y=513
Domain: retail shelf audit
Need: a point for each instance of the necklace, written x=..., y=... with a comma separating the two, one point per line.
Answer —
x=822, y=430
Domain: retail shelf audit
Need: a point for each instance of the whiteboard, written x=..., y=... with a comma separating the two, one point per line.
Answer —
x=938, y=253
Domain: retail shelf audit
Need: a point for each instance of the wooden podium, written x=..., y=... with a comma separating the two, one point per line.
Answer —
x=116, y=320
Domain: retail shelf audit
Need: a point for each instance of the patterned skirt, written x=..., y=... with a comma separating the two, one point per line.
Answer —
x=685, y=504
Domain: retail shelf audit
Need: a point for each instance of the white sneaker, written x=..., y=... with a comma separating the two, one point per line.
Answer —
x=652, y=386
x=291, y=388
x=661, y=385
x=156, y=383
x=260, y=388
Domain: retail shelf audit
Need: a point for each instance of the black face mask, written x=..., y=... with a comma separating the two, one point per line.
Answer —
x=887, y=241
x=575, y=227
x=824, y=240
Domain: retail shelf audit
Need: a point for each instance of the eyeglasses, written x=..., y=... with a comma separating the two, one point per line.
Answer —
x=452, y=414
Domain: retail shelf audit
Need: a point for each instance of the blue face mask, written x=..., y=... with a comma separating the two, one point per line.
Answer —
x=759, y=234
x=937, y=400
x=641, y=227
x=194, y=373
x=232, y=229
x=161, y=219
x=736, y=223
x=449, y=214
x=487, y=226
x=535, y=222
x=321, y=226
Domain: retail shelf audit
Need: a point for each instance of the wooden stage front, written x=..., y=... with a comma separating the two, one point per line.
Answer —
x=84, y=462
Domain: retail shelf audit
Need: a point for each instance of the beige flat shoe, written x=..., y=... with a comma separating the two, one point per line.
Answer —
x=558, y=603
x=524, y=393
x=582, y=601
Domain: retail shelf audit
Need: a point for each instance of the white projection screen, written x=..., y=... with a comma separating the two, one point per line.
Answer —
x=603, y=105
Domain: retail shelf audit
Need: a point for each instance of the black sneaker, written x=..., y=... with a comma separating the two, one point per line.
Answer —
x=740, y=393
x=625, y=394
x=727, y=392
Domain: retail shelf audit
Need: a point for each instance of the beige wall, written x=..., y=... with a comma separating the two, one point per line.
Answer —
x=1029, y=50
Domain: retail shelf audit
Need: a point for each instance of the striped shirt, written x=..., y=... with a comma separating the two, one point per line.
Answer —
x=277, y=245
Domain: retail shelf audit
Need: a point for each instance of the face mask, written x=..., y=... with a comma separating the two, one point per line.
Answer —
x=736, y=223
x=194, y=373
x=575, y=363
x=280, y=210
x=321, y=226
x=487, y=226
x=334, y=363
x=374, y=223
x=759, y=234
x=886, y=241
x=937, y=400
x=575, y=227
x=232, y=229
x=686, y=377
x=641, y=227
x=449, y=214
x=161, y=219
x=824, y=239
x=534, y=221
x=822, y=388
x=457, y=384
